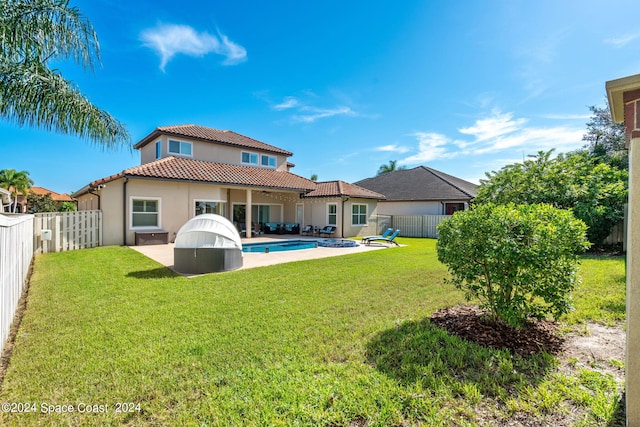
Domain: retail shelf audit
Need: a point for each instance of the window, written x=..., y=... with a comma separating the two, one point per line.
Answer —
x=250, y=158
x=359, y=214
x=209, y=207
x=179, y=147
x=332, y=214
x=158, y=149
x=451, y=208
x=269, y=161
x=145, y=213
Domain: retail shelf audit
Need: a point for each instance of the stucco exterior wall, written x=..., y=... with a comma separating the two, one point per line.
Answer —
x=415, y=208
x=410, y=208
x=316, y=214
x=176, y=204
x=206, y=151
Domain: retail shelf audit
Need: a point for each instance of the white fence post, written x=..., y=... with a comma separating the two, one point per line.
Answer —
x=16, y=252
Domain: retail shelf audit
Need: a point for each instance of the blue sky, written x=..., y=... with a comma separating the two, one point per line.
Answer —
x=464, y=87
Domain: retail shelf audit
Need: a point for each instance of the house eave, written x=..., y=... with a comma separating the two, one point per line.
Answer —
x=615, y=95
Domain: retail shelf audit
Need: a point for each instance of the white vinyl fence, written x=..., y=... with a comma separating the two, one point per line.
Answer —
x=418, y=225
x=16, y=252
x=67, y=231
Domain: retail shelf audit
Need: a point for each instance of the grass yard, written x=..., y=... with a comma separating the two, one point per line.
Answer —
x=328, y=342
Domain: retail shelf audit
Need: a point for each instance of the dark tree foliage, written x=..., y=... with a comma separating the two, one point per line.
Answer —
x=606, y=139
x=595, y=191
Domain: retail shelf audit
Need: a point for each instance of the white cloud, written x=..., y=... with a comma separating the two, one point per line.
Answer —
x=496, y=125
x=495, y=134
x=622, y=41
x=167, y=40
x=311, y=114
x=287, y=103
x=394, y=148
x=566, y=116
x=535, y=139
x=431, y=146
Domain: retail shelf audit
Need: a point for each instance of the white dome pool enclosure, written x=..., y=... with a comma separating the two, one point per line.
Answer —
x=207, y=243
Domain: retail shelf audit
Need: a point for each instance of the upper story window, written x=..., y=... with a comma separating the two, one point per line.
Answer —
x=180, y=147
x=249, y=158
x=269, y=161
x=158, y=149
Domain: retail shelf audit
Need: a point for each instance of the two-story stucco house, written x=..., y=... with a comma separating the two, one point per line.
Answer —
x=188, y=170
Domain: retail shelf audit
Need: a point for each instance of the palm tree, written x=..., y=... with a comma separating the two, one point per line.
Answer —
x=33, y=32
x=392, y=166
x=16, y=182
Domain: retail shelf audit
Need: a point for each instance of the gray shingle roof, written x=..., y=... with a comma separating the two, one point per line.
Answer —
x=420, y=184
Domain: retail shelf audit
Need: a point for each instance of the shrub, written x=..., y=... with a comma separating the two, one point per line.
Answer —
x=519, y=261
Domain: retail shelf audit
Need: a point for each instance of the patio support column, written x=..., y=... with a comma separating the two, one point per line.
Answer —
x=624, y=104
x=247, y=215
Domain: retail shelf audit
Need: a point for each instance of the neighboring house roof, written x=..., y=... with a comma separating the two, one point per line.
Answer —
x=180, y=169
x=41, y=191
x=206, y=134
x=341, y=188
x=420, y=184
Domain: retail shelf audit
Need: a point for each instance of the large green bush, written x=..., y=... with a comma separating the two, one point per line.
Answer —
x=519, y=261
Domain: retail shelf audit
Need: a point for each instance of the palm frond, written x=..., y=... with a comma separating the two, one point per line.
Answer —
x=45, y=29
x=31, y=94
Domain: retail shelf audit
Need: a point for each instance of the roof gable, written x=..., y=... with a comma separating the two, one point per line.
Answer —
x=420, y=184
x=201, y=133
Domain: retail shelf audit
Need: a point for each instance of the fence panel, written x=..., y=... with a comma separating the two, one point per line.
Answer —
x=69, y=231
x=16, y=252
x=418, y=225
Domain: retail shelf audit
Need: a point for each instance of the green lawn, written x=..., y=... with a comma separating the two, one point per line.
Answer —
x=322, y=342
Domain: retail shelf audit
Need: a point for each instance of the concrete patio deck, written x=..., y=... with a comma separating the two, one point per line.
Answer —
x=164, y=253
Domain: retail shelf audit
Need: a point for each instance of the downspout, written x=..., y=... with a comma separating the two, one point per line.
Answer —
x=124, y=211
x=95, y=194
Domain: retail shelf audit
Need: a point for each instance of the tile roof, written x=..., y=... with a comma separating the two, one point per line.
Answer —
x=181, y=169
x=206, y=134
x=341, y=188
x=420, y=184
x=58, y=197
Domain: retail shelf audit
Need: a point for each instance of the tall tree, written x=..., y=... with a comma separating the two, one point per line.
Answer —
x=606, y=139
x=392, y=166
x=16, y=182
x=595, y=191
x=32, y=33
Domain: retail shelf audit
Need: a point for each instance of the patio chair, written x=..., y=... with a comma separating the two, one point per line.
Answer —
x=386, y=233
x=329, y=230
x=390, y=239
x=307, y=230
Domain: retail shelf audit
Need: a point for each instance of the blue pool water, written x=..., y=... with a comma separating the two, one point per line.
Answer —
x=292, y=245
x=285, y=245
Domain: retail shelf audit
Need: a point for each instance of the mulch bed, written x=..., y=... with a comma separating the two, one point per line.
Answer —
x=473, y=324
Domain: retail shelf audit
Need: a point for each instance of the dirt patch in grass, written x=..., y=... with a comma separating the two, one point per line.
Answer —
x=593, y=347
x=596, y=347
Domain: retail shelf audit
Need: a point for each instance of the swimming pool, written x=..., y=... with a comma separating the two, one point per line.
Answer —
x=284, y=245
x=293, y=245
